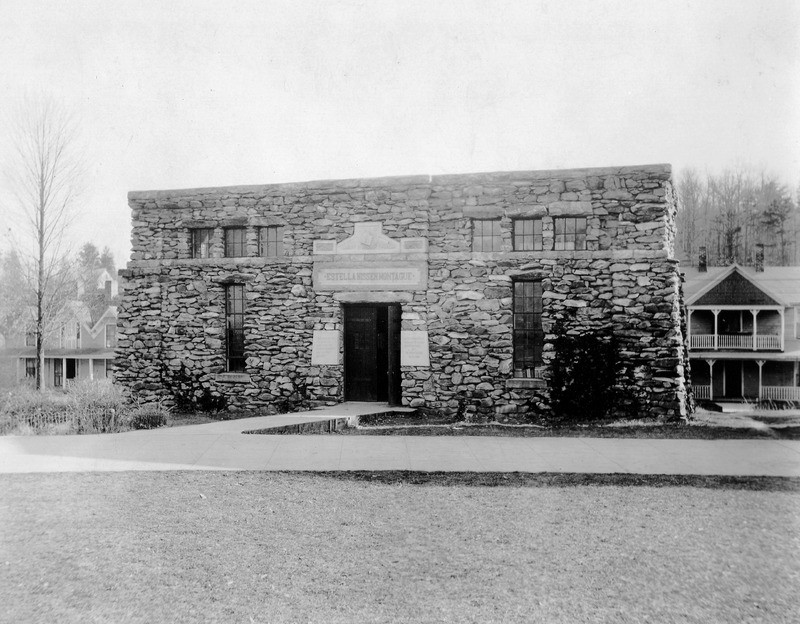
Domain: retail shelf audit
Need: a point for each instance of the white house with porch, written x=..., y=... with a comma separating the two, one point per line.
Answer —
x=743, y=327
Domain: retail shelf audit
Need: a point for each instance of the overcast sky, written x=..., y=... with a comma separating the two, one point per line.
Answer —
x=186, y=94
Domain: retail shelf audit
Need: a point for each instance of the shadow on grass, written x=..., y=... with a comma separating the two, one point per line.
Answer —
x=550, y=479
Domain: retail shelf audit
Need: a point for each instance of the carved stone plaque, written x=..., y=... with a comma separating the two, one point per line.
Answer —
x=325, y=348
x=414, y=348
x=370, y=276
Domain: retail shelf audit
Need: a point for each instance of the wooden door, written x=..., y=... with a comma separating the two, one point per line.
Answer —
x=372, y=353
x=361, y=353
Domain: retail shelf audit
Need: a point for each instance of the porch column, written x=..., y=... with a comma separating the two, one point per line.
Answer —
x=760, y=364
x=91, y=369
x=63, y=373
x=689, y=326
x=716, y=331
x=755, y=333
x=710, y=379
x=783, y=328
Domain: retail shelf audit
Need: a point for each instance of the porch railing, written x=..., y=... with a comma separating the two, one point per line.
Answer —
x=701, y=392
x=768, y=342
x=780, y=393
x=735, y=341
x=702, y=341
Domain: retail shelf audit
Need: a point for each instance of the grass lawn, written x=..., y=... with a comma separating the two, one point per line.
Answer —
x=265, y=547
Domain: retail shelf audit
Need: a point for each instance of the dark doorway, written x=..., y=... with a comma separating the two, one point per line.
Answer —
x=733, y=380
x=71, y=368
x=372, y=353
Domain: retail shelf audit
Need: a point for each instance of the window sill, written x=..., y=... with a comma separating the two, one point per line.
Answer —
x=233, y=377
x=529, y=383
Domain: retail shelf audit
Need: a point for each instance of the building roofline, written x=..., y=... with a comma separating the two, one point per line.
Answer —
x=449, y=178
x=726, y=273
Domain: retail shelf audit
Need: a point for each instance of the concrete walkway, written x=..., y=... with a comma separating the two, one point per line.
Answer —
x=222, y=446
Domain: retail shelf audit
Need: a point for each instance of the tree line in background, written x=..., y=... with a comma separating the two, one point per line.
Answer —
x=731, y=212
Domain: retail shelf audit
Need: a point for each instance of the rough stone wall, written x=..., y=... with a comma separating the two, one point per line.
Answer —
x=626, y=281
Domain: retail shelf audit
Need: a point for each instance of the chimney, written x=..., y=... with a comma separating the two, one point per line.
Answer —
x=702, y=264
x=759, y=258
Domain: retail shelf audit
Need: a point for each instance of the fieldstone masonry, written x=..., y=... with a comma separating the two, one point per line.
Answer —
x=421, y=227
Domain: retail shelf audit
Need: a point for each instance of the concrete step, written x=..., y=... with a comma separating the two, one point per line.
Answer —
x=328, y=424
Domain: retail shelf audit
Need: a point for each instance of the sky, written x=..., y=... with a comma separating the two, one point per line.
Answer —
x=207, y=93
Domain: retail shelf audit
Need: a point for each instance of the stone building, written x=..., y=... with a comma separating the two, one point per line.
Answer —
x=442, y=293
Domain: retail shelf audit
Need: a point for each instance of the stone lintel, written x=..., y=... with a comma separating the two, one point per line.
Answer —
x=233, y=222
x=483, y=212
x=234, y=278
x=374, y=297
x=570, y=208
x=532, y=210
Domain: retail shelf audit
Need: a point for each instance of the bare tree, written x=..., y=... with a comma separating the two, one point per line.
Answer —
x=691, y=219
x=43, y=176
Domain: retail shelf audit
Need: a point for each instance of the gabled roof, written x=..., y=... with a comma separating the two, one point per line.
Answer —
x=779, y=283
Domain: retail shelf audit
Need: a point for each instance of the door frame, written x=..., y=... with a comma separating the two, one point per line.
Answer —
x=393, y=373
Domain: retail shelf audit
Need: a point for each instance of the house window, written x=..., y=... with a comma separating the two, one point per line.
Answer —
x=77, y=335
x=527, y=234
x=30, y=339
x=235, y=242
x=486, y=235
x=58, y=372
x=62, y=337
x=234, y=325
x=569, y=233
x=30, y=367
x=201, y=242
x=528, y=333
x=111, y=336
x=270, y=241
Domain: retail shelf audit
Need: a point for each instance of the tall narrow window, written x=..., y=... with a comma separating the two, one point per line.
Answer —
x=201, y=242
x=528, y=333
x=111, y=336
x=270, y=241
x=527, y=234
x=235, y=242
x=569, y=233
x=30, y=339
x=486, y=235
x=77, y=335
x=234, y=327
x=30, y=367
